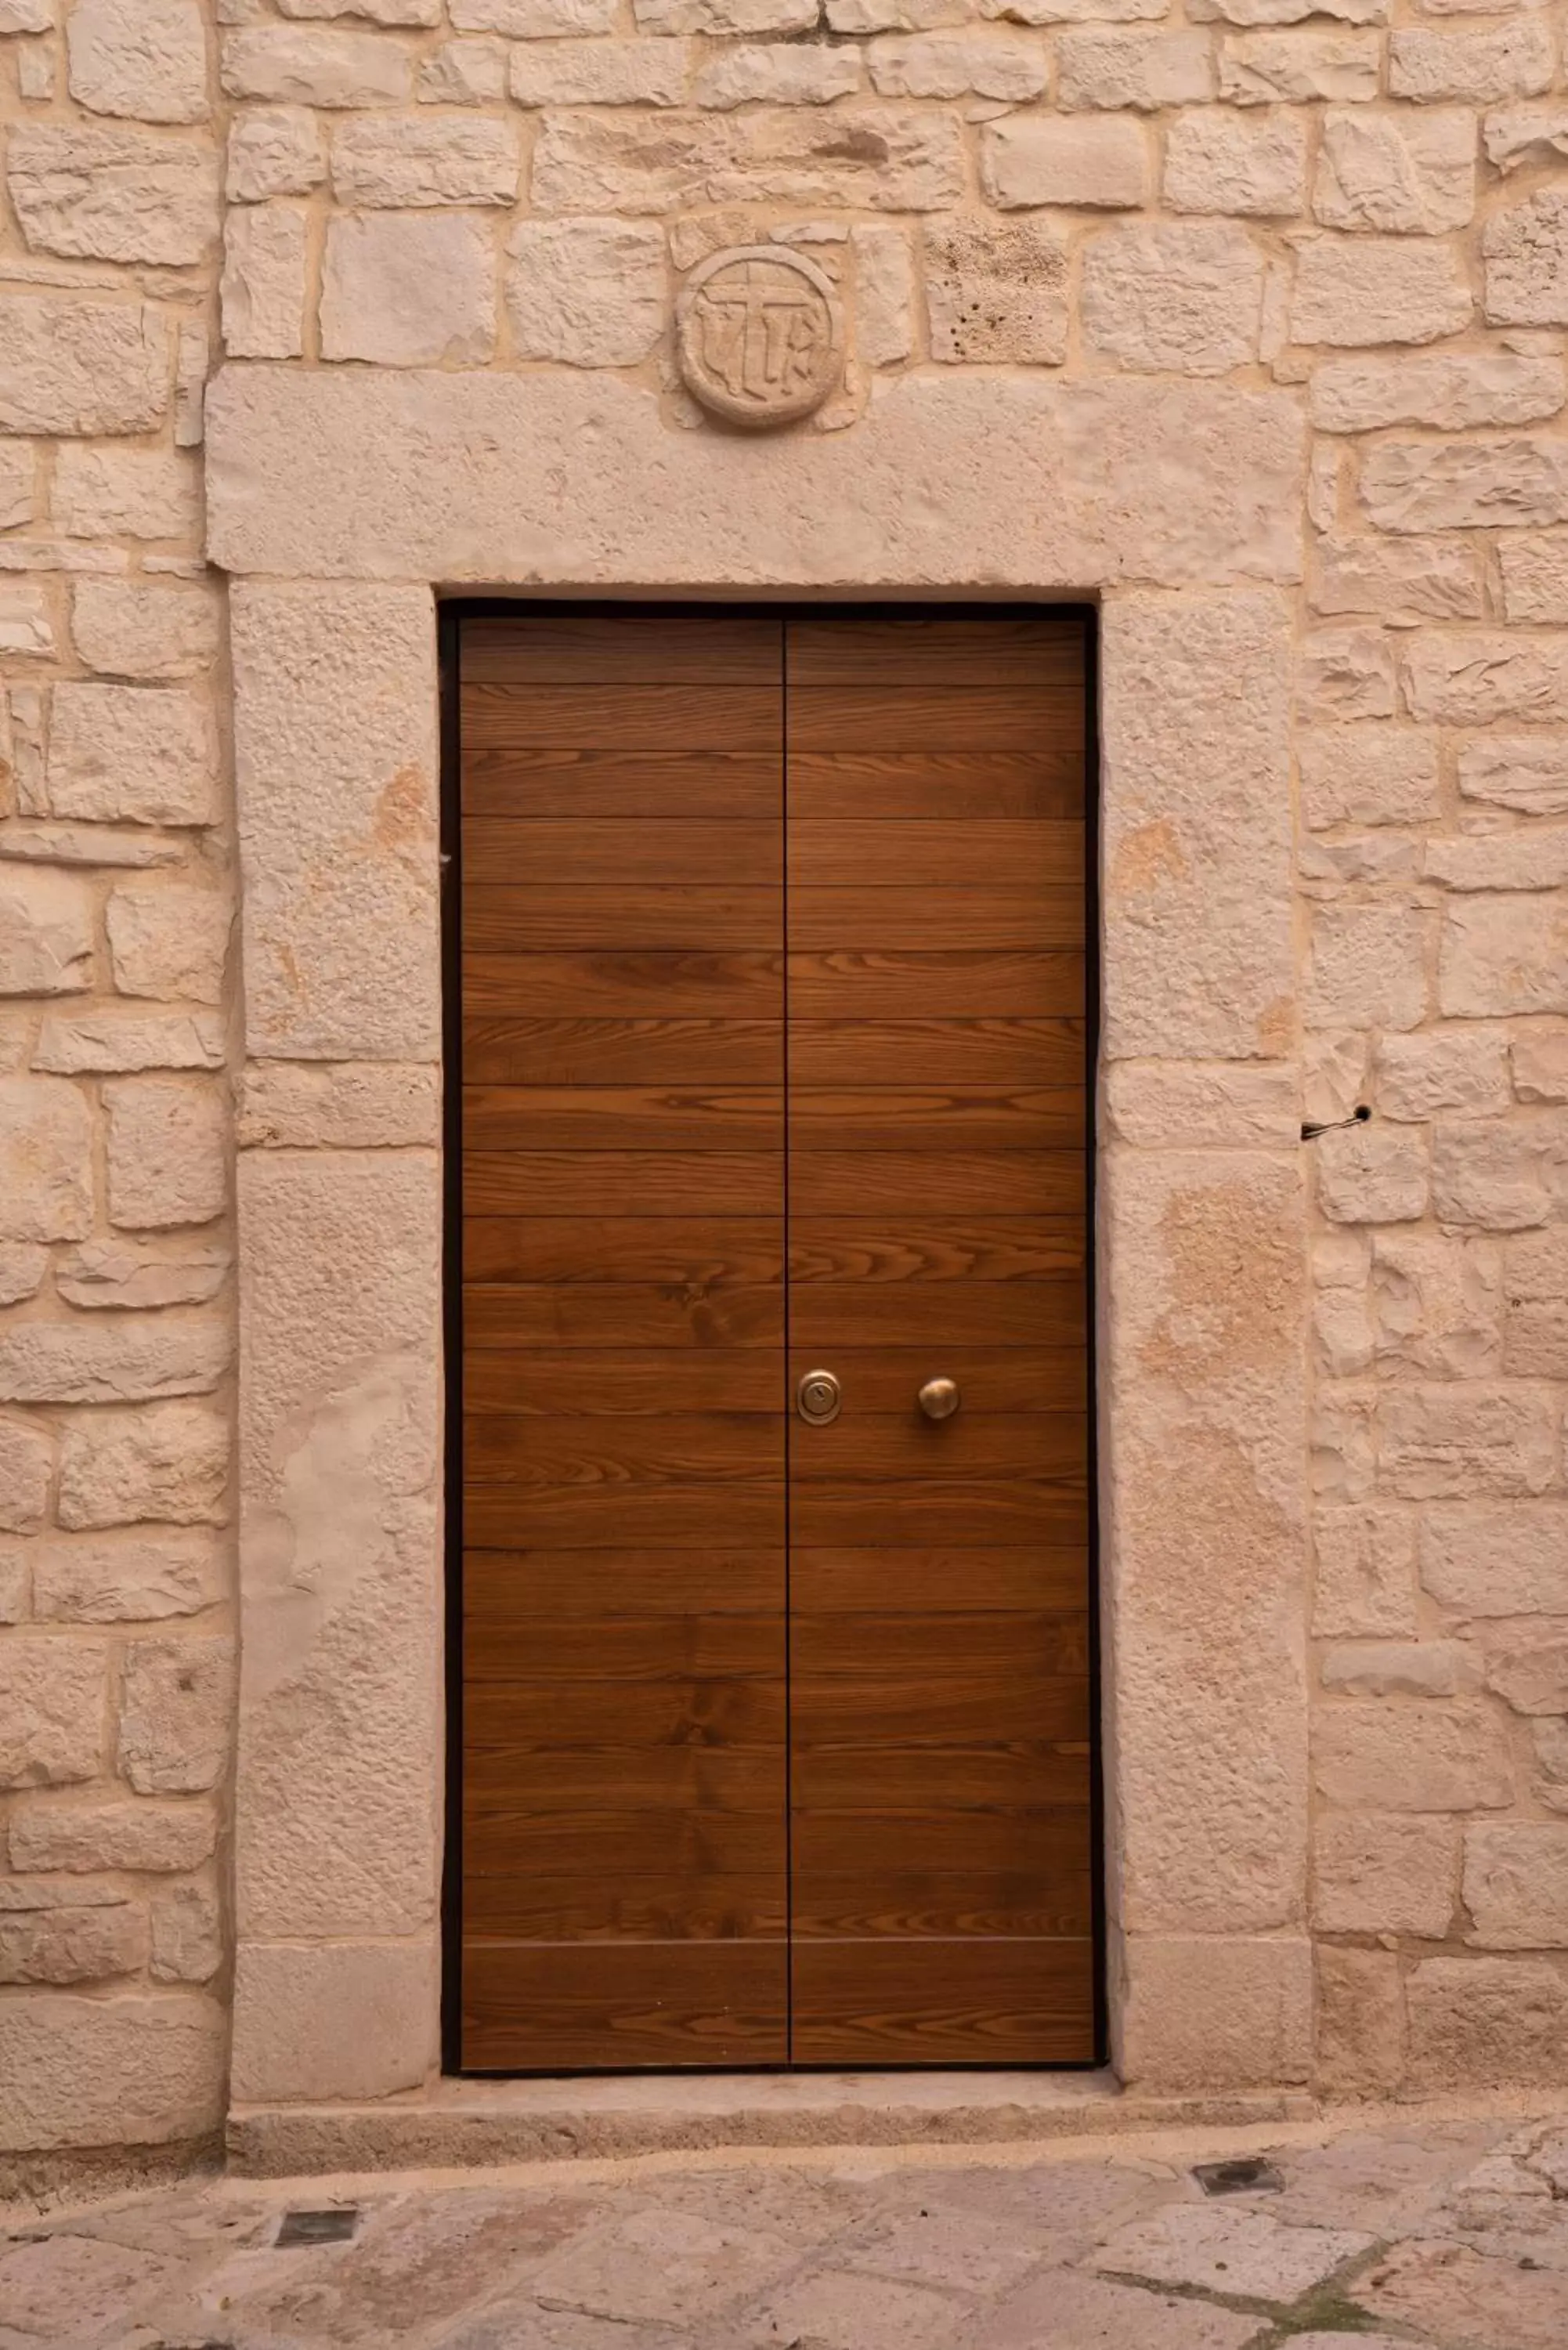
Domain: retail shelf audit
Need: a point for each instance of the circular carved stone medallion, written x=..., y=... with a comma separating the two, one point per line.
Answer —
x=759, y=334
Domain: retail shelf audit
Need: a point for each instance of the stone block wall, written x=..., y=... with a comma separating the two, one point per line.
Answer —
x=1171, y=256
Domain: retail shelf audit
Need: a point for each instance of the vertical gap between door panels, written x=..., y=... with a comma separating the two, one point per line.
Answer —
x=786, y=1430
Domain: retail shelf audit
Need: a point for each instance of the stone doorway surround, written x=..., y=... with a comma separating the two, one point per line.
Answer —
x=341, y=504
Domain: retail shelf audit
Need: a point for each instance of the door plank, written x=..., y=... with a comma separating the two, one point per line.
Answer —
x=1046, y=782
x=935, y=853
x=937, y=1052
x=970, y=2002
x=602, y=650
x=636, y=717
x=902, y=983
x=596, y=1052
x=742, y=987
x=562, y=2007
x=602, y=852
x=505, y=918
x=958, y=650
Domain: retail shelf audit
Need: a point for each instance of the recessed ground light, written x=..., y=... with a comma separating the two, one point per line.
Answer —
x=1251, y=2175
x=318, y=2227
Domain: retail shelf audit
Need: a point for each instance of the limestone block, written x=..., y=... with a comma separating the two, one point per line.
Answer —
x=263, y=281
x=884, y=295
x=169, y=941
x=26, y=1464
x=1182, y=298
x=1538, y=1059
x=782, y=74
x=1215, y=2013
x=945, y=479
x=366, y=1105
x=949, y=65
x=1293, y=69
x=1341, y=1335
x=1528, y=773
x=340, y=1586
x=740, y=18
x=1367, y=966
x=112, y=195
x=45, y=934
x=1384, y=1873
x=1464, y=485
x=1470, y=681
x=1360, y=2024
x=55, y=1362
x=1285, y=12
x=22, y=1264
x=15, y=1578
x=67, y=1944
x=1377, y=290
x=1368, y=775
x=1098, y=161
x=1487, y=1559
x=1399, y=1668
x=1502, y=1176
x=68, y=364
x=350, y=2020
x=119, y=753
x=391, y=159
x=1516, y=1884
x=1536, y=577
x=1473, y=68
x=1537, y=1292
x=996, y=292
x=144, y=58
x=549, y=20
x=1509, y=861
x=1452, y=390
x=167, y=1152
x=174, y=1714
x=463, y=73
x=1230, y=2249
x=1503, y=953
x=1142, y=71
x=1448, y=1068
x=1525, y=134
x=298, y=67
x=1448, y=1444
x=134, y=1581
x=135, y=2070
x=45, y=1160
x=17, y=485
x=1549, y=1745
x=379, y=12
x=187, y=1934
x=409, y=289
x=52, y=1694
x=639, y=73
x=928, y=16
x=131, y=629
x=590, y=292
x=1432, y=1757
x=1364, y=1583
x=1401, y=581
x=1399, y=172
x=27, y=15
x=118, y=1274
x=1217, y=161
x=1531, y=1680
x=24, y=622
x=274, y=150
x=1365, y=1177
x=1188, y=1104
x=108, y=493
x=877, y=159
x=113, y=1041
x=1436, y=1305
x=67, y=1834
x=167, y=1462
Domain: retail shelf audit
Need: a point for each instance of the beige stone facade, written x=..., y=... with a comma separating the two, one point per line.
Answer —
x=1244, y=318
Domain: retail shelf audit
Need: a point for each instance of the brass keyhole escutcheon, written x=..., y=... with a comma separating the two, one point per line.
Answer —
x=819, y=1398
x=940, y=1399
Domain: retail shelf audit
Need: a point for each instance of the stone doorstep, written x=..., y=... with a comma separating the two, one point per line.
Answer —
x=467, y=2123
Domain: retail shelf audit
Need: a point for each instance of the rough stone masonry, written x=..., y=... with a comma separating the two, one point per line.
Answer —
x=1278, y=295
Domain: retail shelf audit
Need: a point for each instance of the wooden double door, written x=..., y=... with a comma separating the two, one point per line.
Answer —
x=775, y=1731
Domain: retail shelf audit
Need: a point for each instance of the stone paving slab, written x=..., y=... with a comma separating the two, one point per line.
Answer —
x=1385, y=2229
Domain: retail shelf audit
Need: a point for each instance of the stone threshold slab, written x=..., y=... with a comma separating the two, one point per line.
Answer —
x=484, y=2124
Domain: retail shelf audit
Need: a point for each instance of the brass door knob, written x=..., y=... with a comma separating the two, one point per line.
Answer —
x=940, y=1399
x=819, y=1398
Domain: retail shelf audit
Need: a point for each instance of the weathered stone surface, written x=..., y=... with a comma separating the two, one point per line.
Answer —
x=1367, y=966
x=1454, y=389
x=882, y=160
x=22, y=1264
x=1368, y=774
x=1365, y=1177
x=409, y=289
x=170, y=1460
x=1215, y=2013
x=590, y=292
x=68, y=1945
x=305, y=68
x=133, y=629
x=1094, y=162
x=117, y=1273
x=1436, y=1305
x=1528, y=773
x=1525, y=134
x=1486, y=2022
x=111, y=195
x=1360, y=2043
x=1521, y=860
x=1366, y=1573
x=51, y=1709
x=1475, y=68
x=263, y=281
x=1196, y=710
x=1343, y=1442
x=1448, y=1443
x=1224, y=2248
x=68, y=1834
x=113, y=1041
x=1413, y=1758
x=335, y=759
x=1538, y=1057
x=949, y=65
x=1473, y=680
x=1264, y=69
x=143, y=58
x=390, y=160
x=379, y=12
x=187, y=1934
x=1464, y=485
x=1376, y=290
x=128, y=2071
x=1536, y=577
x=167, y=1152
x=1142, y=71
x=1384, y=1873
x=1067, y=2301
x=27, y=1465
x=1219, y=162
x=1185, y=1105
x=549, y=19
x=1399, y=580
x=1504, y=954
x=168, y=941
x=1499, y=2304
x=1500, y=1176
x=431, y=477
x=45, y=1160
x=355, y=1106
x=997, y=293
x=1533, y=1679
x=140, y=1580
x=69, y=364
x=336, y=2019
x=884, y=295
x=174, y=1714
x=1526, y=252
x=275, y=151
x=119, y=753
x=57, y=1362
x=1184, y=298
x=788, y=75
x=1516, y=1884
x=25, y=623
x=604, y=73
x=45, y=934
x=1397, y=1668
x=1536, y=1284
x=108, y=493
x=1404, y=173
x=1451, y=1068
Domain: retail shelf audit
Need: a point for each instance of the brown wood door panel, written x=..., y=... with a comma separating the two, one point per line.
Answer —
x=955, y=649
x=506, y=1592
x=828, y=1182
x=945, y=784
x=1035, y=1578
x=884, y=1118
x=1041, y=1377
x=619, y=1117
x=972, y=1054
x=599, y=1052
x=601, y=650
x=905, y=714
x=614, y=2006
x=935, y=853
x=995, y=2001
x=565, y=1385
x=843, y=984
x=636, y=717
x=827, y=1315
x=884, y=1251
x=625, y=1314
x=621, y=1182
x=695, y=1254
x=636, y=917
x=611, y=852
x=743, y=985
x=636, y=1903
x=550, y=780
x=824, y=917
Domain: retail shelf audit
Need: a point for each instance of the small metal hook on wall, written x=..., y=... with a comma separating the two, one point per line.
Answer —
x=1358, y=1117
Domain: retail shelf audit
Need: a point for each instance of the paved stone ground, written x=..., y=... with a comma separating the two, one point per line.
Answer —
x=1451, y=2233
